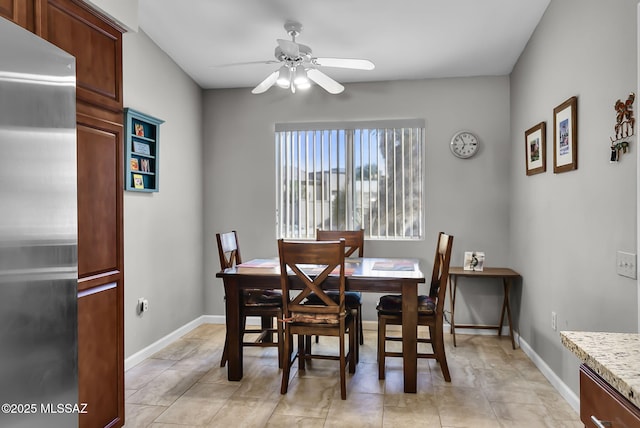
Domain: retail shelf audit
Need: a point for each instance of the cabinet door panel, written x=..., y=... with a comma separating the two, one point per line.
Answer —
x=18, y=11
x=100, y=356
x=97, y=47
x=599, y=399
x=99, y=196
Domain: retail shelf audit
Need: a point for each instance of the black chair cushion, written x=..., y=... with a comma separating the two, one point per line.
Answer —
x=262, y=298
x=393, y=304
x=352, y=299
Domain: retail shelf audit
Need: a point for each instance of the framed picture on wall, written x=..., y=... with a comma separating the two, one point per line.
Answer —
x=565, y=136
x=535, y=148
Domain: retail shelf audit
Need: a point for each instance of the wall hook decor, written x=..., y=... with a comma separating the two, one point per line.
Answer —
x=624, y=127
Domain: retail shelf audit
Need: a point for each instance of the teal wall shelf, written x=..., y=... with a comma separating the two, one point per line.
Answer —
x=142, y=139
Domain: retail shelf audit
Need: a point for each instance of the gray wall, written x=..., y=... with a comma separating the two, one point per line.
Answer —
x=467, y=198
x=566, y=228
x=163, y=231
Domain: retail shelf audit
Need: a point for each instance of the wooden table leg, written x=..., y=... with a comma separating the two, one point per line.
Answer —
x=410, y=335
x=506, y=308
x=507, y=292
x=233, y=317
x=453, y=287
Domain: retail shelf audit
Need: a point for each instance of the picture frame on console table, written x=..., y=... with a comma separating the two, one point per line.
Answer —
x=474, y=261
x=565, y=136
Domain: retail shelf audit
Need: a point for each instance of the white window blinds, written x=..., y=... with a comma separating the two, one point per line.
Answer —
x=349, y=176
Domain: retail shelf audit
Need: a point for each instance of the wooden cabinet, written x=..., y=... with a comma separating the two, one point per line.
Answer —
x=142, y=151
x=99, y=357
x=19, y=11
x=96, y=43
x=97, y=46
x=600, y=401
x=99, y=197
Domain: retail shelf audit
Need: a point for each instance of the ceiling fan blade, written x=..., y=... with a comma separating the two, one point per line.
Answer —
x=290, y=49
x=266, y=83
x=325, y=81
x=358, y=64
x=233, y=64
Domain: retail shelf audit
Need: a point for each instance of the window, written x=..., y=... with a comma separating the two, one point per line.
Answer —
x=350, y=176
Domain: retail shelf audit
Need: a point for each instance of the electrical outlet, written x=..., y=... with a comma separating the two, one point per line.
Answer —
x=143, y=305
x=626, y=264
x=554, y=321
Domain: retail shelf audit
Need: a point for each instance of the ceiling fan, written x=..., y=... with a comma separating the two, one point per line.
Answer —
x=299, y=67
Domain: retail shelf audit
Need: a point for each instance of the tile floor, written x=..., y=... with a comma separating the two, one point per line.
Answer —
x=182, y=386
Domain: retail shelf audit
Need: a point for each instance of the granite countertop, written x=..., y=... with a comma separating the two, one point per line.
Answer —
x=614, y=356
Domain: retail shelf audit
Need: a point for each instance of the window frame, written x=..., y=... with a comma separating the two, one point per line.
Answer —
x=349, y=174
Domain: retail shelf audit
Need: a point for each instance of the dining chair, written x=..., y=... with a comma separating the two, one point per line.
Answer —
x=310, y=264
x=266, y=304
x=430, y=312
x=354, y=241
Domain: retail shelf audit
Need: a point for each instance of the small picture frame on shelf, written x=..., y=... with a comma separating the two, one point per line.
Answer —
x=138, y=181
x=134, y=164
x=144, y=165
x=139, y=129
x=141, y=148
x=473, y=260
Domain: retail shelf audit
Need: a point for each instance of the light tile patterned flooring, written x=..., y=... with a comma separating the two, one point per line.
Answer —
x=182, y=386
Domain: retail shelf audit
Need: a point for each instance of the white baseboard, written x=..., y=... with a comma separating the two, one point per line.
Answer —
x=555, y=381
x=482, y=331
x=170, y=338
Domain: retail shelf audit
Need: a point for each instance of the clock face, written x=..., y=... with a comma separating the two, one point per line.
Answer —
x=464, y=144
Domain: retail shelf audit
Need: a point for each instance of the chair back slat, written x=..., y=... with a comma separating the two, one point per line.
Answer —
x=440, y=274
x=353, y=239
x=228, y=249
x=311, y=263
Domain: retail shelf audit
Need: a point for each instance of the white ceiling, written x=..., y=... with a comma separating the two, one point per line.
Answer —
x=405, y=39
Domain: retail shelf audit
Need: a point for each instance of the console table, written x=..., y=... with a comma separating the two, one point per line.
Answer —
x=506, y=275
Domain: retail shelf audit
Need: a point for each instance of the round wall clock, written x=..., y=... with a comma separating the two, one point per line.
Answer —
x=464, y=144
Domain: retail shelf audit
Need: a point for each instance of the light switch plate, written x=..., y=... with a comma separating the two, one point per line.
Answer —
x=626, y=264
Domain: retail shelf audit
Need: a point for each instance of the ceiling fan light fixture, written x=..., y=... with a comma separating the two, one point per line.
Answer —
x=300, y=69
x=300, y=78
x=284, y=77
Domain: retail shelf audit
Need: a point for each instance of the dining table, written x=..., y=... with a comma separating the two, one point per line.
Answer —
x=367, y=274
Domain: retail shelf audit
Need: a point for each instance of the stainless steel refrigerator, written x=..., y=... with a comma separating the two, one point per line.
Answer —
x=38, y=233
